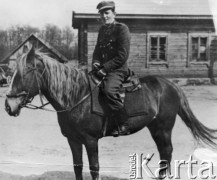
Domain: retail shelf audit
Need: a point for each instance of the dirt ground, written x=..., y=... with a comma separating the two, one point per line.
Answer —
x=32, y=146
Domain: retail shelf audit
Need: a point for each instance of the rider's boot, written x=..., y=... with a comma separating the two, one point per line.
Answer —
x=122, y=120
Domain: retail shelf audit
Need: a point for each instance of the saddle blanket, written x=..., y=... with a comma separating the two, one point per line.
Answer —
x=136, y=103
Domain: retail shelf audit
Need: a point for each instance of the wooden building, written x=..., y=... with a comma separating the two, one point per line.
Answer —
x=32, y=40
x=172, y=39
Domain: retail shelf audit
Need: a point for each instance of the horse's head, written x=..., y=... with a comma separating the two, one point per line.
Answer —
x=25, y=83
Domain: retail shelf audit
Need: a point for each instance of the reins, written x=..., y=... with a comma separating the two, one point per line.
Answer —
x=42, y=107
x=28, y=98
x=31, y=106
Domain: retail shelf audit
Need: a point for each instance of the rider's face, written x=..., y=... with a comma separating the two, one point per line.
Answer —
x=107, y=16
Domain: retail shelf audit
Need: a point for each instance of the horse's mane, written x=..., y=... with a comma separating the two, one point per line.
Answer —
x=66, y=84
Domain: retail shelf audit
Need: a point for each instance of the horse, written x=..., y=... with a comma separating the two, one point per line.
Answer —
x=67, y=90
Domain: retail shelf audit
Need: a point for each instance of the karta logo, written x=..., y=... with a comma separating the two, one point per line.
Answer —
x=139, y=164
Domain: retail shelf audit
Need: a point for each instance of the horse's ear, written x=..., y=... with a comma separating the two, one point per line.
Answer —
x=25, y=49
x=31, y=54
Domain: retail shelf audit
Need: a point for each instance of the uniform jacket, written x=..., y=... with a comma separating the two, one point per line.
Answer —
x=112, y=48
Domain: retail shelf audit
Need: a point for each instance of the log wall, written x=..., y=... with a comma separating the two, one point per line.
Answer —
x=178, y=64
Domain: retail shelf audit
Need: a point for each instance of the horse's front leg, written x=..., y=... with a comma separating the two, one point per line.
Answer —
x=76, y=148
x=92, y=152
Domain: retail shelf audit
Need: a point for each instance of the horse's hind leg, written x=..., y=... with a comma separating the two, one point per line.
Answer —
x=161, y=132
x=76, y=148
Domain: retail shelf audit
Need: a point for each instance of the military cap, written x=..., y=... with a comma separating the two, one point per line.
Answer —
x=105, y=5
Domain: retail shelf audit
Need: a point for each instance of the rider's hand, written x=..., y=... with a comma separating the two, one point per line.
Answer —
x=96, y=66
x=101, y=73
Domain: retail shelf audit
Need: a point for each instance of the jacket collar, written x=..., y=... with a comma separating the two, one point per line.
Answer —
x=109, y=25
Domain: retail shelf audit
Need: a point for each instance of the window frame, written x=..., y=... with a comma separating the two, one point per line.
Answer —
x=198, y=35
x=156, y=34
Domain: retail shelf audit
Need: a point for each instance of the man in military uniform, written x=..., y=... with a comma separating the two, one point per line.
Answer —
x=110, y=61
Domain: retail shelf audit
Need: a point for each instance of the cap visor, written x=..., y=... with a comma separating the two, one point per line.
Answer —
x=106, y=7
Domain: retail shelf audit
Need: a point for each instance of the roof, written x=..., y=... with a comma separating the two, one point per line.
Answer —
x=34, y=37
x=78, y=17
x=148, y=7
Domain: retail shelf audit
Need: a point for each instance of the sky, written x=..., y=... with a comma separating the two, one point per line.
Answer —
x=37, y=13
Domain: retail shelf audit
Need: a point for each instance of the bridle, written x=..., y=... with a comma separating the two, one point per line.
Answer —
x=28, y=98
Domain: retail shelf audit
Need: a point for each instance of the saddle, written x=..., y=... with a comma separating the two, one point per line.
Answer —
x=131, y=91
x=131, y=84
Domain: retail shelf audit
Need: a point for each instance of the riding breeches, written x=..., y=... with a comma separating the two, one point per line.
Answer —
x=111, y=89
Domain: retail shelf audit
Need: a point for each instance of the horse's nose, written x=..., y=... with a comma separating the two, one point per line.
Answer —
x=7, y=107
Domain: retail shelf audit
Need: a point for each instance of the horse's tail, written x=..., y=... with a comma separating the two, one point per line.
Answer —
x=199, y=131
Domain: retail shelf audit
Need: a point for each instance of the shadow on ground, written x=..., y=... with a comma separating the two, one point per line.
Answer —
x=53, y=175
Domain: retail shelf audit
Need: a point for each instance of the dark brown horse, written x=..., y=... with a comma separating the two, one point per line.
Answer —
x=64, y=87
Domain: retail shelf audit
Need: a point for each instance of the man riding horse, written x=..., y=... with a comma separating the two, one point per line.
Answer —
x=110, y=62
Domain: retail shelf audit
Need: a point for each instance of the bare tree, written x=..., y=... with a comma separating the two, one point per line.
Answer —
x=65, y=40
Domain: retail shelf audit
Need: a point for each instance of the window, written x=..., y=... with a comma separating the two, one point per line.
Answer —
x=158, y=48
x=199, y=48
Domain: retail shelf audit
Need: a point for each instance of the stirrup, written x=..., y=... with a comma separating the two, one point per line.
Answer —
x=118, y=132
